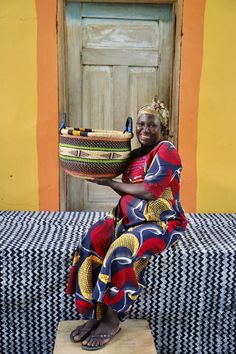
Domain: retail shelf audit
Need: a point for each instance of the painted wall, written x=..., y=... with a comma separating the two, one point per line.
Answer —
x=216, y=152
x=18, y=106
x=29, y=171
x=208, y=105
x=29, y=177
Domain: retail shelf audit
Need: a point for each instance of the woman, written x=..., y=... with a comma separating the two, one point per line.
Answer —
x=107, y=273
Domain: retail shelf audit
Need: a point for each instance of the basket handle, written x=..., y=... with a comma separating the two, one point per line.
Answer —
x=63, y=122
x=129, y=126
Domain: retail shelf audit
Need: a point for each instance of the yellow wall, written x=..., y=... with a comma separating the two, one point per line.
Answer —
x=29, y=105
x=216, y=152
x=18, y=106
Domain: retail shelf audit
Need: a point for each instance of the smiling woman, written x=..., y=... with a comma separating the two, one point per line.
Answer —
x=107, y=273
x=148, y=129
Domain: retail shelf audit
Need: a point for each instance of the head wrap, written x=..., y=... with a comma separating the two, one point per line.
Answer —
x=157, y=108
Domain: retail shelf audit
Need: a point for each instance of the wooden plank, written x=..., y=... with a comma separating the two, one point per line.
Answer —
x=61, y=54
x=97, y=97
x=174, y=124
x=165, y=65
x=126, y=11
x=99, y=197
x=62, y=87
x=128, y=1
x=97, y=113
x=143, y=87
x=120, y=96
x=74, y=197
x=134, y=337
x=74, y=47
x=120, y=57
x=122, y=34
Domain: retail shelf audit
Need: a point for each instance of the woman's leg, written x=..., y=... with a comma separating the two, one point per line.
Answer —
x=121, y=277
x=86, y=265
x=117, y=286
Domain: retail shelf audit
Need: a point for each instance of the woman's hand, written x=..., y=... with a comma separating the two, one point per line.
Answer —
x=137, y=189
x=102, y=181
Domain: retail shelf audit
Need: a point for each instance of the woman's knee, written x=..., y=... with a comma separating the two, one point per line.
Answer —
x=99, y=236
x=127, y=245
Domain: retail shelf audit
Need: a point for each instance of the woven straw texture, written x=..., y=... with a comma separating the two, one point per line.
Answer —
x=96, y=155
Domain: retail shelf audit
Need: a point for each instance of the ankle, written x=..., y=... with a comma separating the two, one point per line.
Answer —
x=111, y=316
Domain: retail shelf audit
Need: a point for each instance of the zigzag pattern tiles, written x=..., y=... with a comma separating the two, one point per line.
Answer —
x=189, y=299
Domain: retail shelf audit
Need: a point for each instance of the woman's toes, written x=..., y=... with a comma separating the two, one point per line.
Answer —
x=74, y=334
x=89, y=343
x=77, y=338
x=85, y=341
x=92, y=343
x=81, y=332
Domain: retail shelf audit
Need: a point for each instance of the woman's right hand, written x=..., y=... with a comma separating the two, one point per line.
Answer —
x=101, y=181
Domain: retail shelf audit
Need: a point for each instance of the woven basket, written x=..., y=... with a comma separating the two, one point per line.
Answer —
x=93, y=153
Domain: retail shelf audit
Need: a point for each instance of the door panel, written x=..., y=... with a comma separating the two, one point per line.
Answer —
x=120, y=57
x=114, y=56
x=110, y=33
x=142, y=87
x=97, y=97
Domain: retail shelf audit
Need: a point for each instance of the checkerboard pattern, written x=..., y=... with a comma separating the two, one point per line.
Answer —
x=189, y=299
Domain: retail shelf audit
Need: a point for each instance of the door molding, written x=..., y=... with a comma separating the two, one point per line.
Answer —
x=175, y=79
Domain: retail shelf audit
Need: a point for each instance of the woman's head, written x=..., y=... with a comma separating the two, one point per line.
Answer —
x=148, y=129
x=152, y=121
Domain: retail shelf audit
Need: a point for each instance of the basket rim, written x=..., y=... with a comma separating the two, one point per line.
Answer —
x=96, y=138
x=93, y=176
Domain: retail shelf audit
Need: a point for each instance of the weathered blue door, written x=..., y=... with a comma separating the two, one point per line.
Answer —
x=118, y=57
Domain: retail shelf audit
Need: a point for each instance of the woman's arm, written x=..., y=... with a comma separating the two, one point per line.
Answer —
x=162, y=168
x=137, y=190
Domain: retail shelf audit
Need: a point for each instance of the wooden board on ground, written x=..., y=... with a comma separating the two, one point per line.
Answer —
x=134, y=337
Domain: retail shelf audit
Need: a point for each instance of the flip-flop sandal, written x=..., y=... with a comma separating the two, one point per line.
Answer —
x=82, y=330
x=100, y=336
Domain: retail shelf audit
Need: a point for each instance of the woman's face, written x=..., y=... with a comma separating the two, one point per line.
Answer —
x=148, y=130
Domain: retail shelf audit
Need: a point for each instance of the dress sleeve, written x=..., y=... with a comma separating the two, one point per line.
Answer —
x=125, y=177
x=162, y=166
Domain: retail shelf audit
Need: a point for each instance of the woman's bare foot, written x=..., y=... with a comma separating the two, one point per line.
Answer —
x=83, y=331
x=108, y=327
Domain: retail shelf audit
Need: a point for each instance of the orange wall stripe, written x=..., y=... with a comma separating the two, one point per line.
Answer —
x=47, y=121
x=191, y=66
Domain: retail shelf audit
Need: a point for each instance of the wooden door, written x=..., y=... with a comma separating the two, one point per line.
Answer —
x=118, y=57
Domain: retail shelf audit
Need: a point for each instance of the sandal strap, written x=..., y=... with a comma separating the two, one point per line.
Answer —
x=102, y=336
x=105, y=335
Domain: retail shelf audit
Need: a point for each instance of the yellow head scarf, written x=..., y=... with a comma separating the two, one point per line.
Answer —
x=157, y=108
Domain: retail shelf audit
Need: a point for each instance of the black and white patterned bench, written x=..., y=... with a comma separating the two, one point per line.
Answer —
x=189, y=300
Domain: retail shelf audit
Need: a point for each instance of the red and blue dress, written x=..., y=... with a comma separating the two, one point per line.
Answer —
x=109, y=264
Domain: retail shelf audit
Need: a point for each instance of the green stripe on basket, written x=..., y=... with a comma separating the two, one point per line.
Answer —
x=93, y=148
x=91, y=160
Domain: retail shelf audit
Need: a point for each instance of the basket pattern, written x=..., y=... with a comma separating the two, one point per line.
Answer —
x=99, y=156
x=94, y=142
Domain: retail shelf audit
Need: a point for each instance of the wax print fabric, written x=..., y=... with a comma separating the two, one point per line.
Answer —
x=109, y=264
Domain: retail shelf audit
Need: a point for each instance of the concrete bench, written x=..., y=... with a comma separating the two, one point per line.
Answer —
x=189, y=300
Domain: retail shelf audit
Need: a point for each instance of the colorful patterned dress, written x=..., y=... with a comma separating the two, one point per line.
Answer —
x=109, y=265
